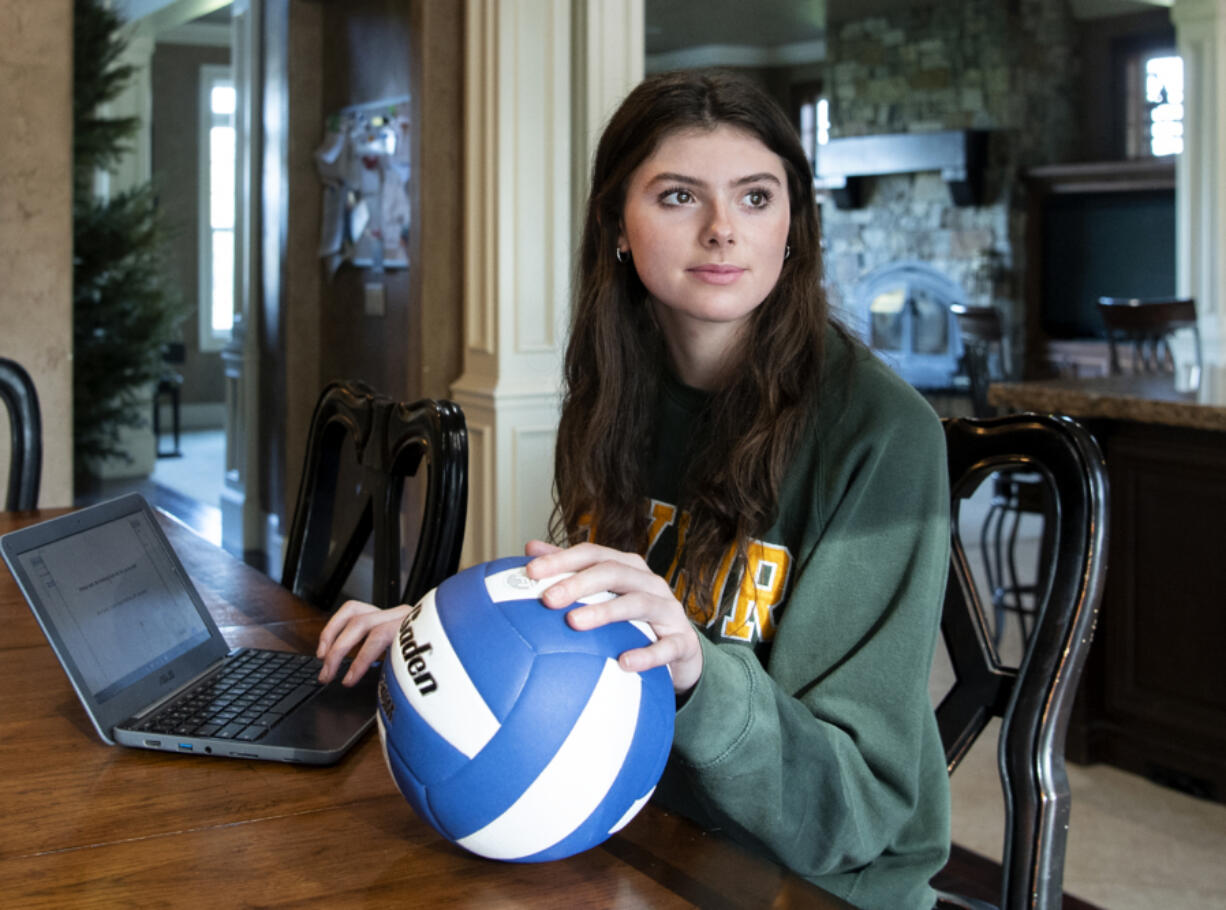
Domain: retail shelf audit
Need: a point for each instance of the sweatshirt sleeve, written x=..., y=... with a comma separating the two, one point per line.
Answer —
x=828, y=756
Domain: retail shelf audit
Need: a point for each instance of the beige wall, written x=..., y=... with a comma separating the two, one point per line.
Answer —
x=36, y=220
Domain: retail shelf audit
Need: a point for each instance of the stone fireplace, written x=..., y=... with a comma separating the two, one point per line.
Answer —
x=903, y=312
x=998, y=69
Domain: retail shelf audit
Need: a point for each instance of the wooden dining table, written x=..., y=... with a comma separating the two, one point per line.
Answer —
x=90, y=825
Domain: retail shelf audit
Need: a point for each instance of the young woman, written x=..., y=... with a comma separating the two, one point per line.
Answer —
x=755, y=485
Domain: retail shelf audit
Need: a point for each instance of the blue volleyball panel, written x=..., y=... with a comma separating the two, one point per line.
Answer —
x=430, y=756
x=658, y=689
x=549, y=633
x=494, y=655
x=555, y=695
x=408, y=785
x=494, y=566
x=653, y=738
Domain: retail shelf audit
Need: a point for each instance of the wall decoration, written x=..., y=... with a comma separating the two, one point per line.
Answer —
x=364, y=164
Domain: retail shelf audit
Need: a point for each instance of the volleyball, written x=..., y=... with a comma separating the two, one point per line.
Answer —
x=512, y=734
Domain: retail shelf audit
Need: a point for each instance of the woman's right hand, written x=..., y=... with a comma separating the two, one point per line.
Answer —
x=357, y=622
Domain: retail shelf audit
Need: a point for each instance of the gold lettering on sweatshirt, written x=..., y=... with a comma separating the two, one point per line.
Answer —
x=662, y=515
x=761, y=587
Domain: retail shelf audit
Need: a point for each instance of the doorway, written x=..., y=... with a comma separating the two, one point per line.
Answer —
x=183, y=92
x=193, y=157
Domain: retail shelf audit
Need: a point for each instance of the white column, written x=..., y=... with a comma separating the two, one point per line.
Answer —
x=526, y=131
x=609, y=37
x=1200, y=194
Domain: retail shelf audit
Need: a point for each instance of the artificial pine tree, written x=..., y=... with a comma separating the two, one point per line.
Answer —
x=123, y=308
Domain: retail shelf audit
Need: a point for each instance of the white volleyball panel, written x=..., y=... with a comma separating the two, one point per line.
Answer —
x=514, y=584
x=436, y=684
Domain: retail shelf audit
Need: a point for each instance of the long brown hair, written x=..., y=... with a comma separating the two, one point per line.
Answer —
x=616, y=357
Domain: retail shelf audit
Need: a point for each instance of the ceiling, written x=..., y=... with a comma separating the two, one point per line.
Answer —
x=217, y=17
x=677, y=25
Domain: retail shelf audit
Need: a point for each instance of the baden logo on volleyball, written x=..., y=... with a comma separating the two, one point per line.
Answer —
x=414, y=655
x=509, y=732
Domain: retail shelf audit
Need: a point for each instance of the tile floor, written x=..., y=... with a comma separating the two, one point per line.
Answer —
x=188, y=487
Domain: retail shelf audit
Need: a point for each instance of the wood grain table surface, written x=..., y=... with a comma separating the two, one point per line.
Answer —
x=90, y=825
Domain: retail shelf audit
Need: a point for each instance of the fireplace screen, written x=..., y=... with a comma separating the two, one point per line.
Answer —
x=904, y=312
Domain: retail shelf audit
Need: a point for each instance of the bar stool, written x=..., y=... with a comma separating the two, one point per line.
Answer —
x=169, y=386
x=1147, y=324
x=1014, y=494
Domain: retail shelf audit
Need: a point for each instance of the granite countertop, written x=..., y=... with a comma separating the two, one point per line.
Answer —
x=1144, y=399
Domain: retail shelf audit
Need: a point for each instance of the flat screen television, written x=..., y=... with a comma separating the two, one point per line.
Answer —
x=1103, y=245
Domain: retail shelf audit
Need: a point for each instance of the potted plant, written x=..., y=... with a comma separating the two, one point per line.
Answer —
x=124, y=310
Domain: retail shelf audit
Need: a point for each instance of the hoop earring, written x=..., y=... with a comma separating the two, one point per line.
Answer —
x=787, y=251
x=623, y=256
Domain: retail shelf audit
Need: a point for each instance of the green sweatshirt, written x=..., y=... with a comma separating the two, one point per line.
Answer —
x=810, y=735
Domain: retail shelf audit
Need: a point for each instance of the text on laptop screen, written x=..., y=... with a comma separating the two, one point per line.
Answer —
x=95, y=610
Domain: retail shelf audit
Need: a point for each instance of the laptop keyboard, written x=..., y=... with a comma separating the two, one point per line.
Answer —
x=246, y=699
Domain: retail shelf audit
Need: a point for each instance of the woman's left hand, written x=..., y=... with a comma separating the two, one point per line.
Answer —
x=642, y=595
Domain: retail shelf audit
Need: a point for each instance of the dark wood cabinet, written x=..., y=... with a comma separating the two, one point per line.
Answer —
x=1153, y=698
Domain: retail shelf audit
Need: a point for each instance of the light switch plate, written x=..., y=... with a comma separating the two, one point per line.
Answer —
x=375, y=300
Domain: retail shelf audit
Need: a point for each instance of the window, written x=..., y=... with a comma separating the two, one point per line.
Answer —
x=1155, y=104
x=812, y=113
x=217, y=150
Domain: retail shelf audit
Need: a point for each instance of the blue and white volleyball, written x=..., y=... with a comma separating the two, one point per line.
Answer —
x=512, y=734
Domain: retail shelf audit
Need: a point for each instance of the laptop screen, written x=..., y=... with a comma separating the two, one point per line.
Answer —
x=117, y=600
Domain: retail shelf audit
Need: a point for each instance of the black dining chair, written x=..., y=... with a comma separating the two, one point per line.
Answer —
x=388, y=441
x=26, y=425
x=982, y=334
x=169, y=386
x=1014, y=494
x=1144, y=326
x=1033, y=700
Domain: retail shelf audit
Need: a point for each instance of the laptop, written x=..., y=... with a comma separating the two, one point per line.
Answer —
x=147, y=660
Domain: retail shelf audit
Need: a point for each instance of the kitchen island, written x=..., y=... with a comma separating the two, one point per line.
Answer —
x=1153, y=696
